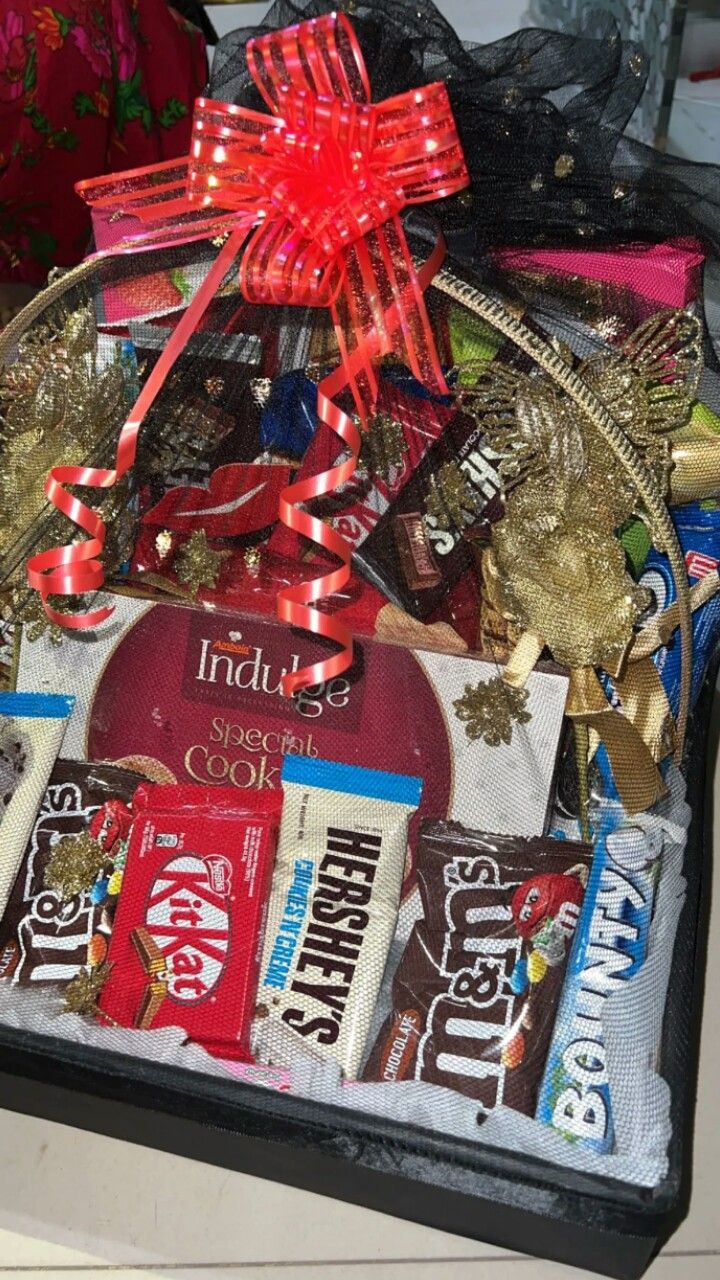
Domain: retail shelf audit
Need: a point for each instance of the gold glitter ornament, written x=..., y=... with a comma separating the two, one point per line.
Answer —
x=383, y=446
x=490, y=709
x=214, y=387
x=450, y=501
x=74, y=865
x=197, y=564
x=83, y=993
x=564, y=165
x=29, y=611
x=56, y=404
x=567, y=583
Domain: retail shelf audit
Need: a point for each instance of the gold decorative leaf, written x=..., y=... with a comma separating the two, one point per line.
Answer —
x=490, y=709
x=83, y=993
x=74, y=865
x=196, y=564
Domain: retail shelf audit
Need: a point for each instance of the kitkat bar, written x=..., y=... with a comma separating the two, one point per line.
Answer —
x=43, y=939
x=186, y=943
x=355, y=510
x=476, y=992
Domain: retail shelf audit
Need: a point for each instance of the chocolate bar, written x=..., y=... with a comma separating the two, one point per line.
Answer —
x=416, y=557
x=42, y=938
x=150, y=1005
x=455, y=491
x=333, y=910
x=403, y=429
x=476, y=992
x=186, y=941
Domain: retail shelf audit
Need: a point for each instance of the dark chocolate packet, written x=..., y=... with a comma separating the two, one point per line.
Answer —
x=476, y=992
x=419, y=548
x=42, y=938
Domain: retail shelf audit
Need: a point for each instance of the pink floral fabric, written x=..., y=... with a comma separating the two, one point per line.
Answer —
x=86, y=87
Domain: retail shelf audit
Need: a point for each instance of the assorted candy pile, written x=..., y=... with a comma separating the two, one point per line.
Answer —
x=435, y=881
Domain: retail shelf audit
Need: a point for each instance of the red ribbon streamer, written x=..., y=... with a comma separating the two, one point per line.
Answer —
x=315, y=189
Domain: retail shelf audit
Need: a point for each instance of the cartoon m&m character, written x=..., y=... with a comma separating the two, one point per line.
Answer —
x=546, y=910
x=110, y=826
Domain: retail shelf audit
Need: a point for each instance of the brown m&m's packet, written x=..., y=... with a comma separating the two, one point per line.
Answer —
x=476, y=992
x=47, y=935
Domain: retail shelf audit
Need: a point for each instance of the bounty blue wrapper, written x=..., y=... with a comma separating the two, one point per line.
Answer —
x=610, y=948
x=698, y=529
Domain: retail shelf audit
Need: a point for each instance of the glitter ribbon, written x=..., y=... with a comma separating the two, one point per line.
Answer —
x=311, y=195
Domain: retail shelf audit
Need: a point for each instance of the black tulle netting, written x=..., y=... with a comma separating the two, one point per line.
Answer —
x=541, y=118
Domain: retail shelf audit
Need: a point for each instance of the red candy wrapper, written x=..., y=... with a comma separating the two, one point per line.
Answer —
x=186, y=943
x=399, y=435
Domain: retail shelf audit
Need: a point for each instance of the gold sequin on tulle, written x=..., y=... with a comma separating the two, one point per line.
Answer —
x=490, y=709
x=451, y=501
x=197, y=564
x=564, y=165
x=636, y=63
x=214, y=387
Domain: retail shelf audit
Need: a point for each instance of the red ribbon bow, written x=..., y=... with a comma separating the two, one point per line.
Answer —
x=322, y=182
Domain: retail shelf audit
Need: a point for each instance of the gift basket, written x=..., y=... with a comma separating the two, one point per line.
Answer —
x=359, y=568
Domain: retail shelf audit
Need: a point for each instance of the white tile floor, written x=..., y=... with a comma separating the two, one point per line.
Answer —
x=81, y=1205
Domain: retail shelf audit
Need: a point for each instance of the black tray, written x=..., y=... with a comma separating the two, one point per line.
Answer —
x=473, y=1190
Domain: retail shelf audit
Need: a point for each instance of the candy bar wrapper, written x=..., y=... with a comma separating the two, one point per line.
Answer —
x=235, y=510
x=186, y=943
x=334, y=908
x=419, y=548
x=698, y=530
x=217, y=418
x=44, y=939
x=398, y=437
x=611, y=948
x=477, y=988
x=32, y=726
x=196, y=694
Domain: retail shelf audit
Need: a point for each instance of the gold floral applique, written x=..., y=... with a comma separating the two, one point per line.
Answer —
x=490, y=709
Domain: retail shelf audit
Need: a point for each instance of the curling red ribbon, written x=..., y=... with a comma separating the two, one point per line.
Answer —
x=311, y=195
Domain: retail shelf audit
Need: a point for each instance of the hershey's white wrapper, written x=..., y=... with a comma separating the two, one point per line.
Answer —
x=333, y=910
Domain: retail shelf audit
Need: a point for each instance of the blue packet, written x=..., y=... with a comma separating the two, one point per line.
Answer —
x=611, y=946
x=698, y=529
x=289, y=419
